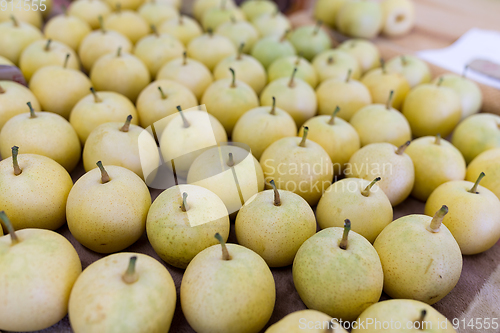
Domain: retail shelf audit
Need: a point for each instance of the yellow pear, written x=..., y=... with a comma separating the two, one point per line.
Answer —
x=339, y=139
x=201, y=6
x=38, y=269
x=415, y=70
x=326, y=11
x=345, y=197
x=282, y=67
x=381, y=123
x=173, y=3
x=210, y=49
x=58, y=89
x=364, y=51
x=184, y=28
x=106, y=212
x=68, y=29
x=436, y=162
x=380, y=82
x=13, y=99
x=298, y=165
x=398, y=17
x=358, y=18
x=15, y=36
x=44, y=53
x=338, y=272
x=34, y=190
x=89, y=11
x=436, y=261
x=489, y=162
x=468, y=90
x=5, y=61
x=310, y=40
x=270, y=48
x=260, y=127
x=127, y=22
x=18, y=10
x=388, y=162
x=182, y=221
x=126, y=292
x=212, y=280
x=42, y=133
x=306, y=321
x=474, y=218
x=272, y=24
x=155, y=13
x=253, y=9
x=239, y=32
x=336, y=64
x=131, y=5
x=216, y=16
x=275, y=224
x=191, y=73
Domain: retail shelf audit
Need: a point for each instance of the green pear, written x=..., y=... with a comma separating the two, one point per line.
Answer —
x=326, y=11
x=358, y=18
x=228, y=99
x=184, y=28
x=402, y=314
x=364, y=51
x=336, y=63
x=415, y=70
x=121, y=72
x=191, y=73
x=155, y=13
x=106, y=212
x=38, y=269
x=160, y=99
x=293, y=95
x=125, y=292
x=210, y=49
x=13, y=99
x=489, y=162
x=272, y=24
x=182, y=221
x=260, y=127
x=282, y=67
x=254, y=8
x=201, y=6
x=249, y=70
x=157, y=49
x=388, y=162
x=127, y=22
x=275, y=224
x=216, y=16
x=380, y=82
x=381, y=123
x=212, y=280
x=345, y=197
x=338, y=272
x=474, y=218
x=123, y=145
x=432, y=109
x=298, y=165
x=310, y=40
x=436, y=261
x=96, y=109
x=29, y=16
x=398, y=17
x=42, y=133
x=30, y=195
x=270, y=48
x=339, y=139
x=468, y=90
x=436, y=162
x=67, y=29
x=239, y=32
x=89, y=11
x=131, y=5
x=44, y=53
x=306, y=321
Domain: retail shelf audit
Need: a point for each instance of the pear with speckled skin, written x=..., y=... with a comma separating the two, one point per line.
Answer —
x=489, y=162
x=13, y=98
x=210, y=49
x=380, y=82
x=106, y=212
x=436, y=260
x=274, y=224
x=294, y=323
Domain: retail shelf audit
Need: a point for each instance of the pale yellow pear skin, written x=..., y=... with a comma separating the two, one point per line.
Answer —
x=310, y=40
x=20, y=36
x=155, y=13
x=275, y=232
x=240, y=32
x=184, y=28
x=380, y=83
x=436, y=162
x=470, y=95
x=489, y=162
x=326, y=11
x=248, y=69
x=311, y=321
x=210, y=283
x=214, y=17
x=415, y=70
x=363, y=19
x=113, y=306
x=253, y=9
x=336, y=64
x=343, y=200
x=474, y=218
x=270, y=48
x=178, y=236
x=124, y=4
x=282, y=67
x=69, y=29
x=341, y=283
x=398, y=17
x=364, y=51
x=5, y=61
x=30, y=16
x=34, y=199
x=129, y=23
x=89, y=11
x=201, y=6
x=210, y=49
x=402, y=312
x=13, y=99
x=272, y=24
x=108, y=217
x=43, y=260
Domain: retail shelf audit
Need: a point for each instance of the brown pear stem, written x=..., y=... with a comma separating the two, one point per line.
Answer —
x=130, y=276
x=304, y=137
x=402, y=148
x=32, y=111
x=10, y=229
x=119, y=52
x=437, y=220
x=230, y=161
x=15, y=164
x=210, y=32
x=96, y=97
x=421, y=320
x=366, y=191
x=347, y=227
x=163, y=95
x=382, y=64
x=240, y=51
x=388, y=104
x=440, y=81
x=297, y=61
x=273, y=109
x=476, y=184
x=126, y=126
x=2, y=91
x=330, y=60
x=104, y=174
x=233, y=82
x=403, y=60
x=225, y=252
x=184, y=58
x=154, y=30
x=334, y=114
x=184, y=120
x=285, y=34
x=184, y=205
x=15, y=21
x=348, y=77
x=317, y=27
x=181, y=20
x=101, y=24
x=438, y=139
x=47, y=45
x=66, y=60
x=118, y=8
x=291, y=84
x=277, y=200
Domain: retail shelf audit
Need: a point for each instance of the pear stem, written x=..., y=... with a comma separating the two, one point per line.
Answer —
x=130, y=276
x=317, y=27
x=163, y=95
x=233, y=19
x=388, y=104
x=273, y=109
x=438, y=139
x=382, y=64
x=330, y=60
x=421, y=320
x=126, y=126
x=13, y=237
x=154, y=30
x=101, y=24
x=225, y=252
x=347, y=228
x=291, y=84
x=402, y=148
x=277, y=200
x=223, y=5
x=14, y=20
x=404, y=61
x=366, y=191
x=334, y=114
x=240, y=51
x=285, y=34
x=440, y=81
x=184, y=206
x=104, y=174
x=2, y=91
x=181, y=20
x=15, y=164
x=119, y=52
x=437, y=220
x=304, y=137
x=297, y=62
x=233, y=82
x=47, y=45
x=230, y=161
x=476, y=184
x=464, y=73
x=184, y=58
x=184, y=120
x=210, y=32
x=118, y=8
x=348, y=77
x=65, y=65
x=32, y=111
x=96, y=98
